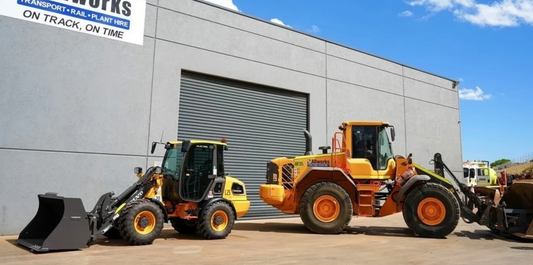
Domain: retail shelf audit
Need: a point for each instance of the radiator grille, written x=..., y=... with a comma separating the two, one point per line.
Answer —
x=287, y=172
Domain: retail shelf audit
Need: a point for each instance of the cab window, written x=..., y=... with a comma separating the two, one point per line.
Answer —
x=364, y=143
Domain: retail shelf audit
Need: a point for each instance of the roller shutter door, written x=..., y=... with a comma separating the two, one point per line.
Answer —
x=260, y=123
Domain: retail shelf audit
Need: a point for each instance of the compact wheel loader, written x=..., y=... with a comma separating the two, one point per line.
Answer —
x=190, y=190
x=362, y=177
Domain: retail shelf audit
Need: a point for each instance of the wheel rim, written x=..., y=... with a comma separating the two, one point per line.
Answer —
x=144, y=222
x=219, y=220
x=326, y=208
x=431, y=211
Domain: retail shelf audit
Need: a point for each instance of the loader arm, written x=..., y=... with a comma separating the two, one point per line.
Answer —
x=470, y=199
x=107, y=210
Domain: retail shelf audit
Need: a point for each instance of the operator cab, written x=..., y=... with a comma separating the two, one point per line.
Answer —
x=189, y=172
x=371, y=155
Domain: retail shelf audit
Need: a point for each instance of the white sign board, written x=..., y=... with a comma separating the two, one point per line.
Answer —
x=121, y=20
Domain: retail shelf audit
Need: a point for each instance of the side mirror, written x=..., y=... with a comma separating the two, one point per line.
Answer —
x=393, y=134
x=138, y=170
x=154, y=145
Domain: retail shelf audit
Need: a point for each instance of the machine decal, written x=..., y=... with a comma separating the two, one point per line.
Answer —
x=317, y=163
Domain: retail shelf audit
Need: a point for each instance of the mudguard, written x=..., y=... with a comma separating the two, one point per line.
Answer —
x=203, y=205
x=328, y=169
x=408, y=184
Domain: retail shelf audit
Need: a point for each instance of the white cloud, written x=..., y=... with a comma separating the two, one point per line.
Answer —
x=277, y=21
x=498, y=13
x=315, y=29
x=433, y=5
x=406, y=13
x=225, y=3
x=471, y=94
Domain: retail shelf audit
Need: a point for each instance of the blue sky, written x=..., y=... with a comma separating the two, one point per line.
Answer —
x=484, y=44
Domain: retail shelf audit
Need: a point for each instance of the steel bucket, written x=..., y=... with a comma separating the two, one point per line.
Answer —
x=60, y=224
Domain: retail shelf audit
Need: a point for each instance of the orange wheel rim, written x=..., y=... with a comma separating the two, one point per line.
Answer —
x=144, y=222
x=431, y=211
x=219, y=220
x=326, y=208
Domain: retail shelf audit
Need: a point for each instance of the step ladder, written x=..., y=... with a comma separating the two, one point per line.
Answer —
x=366, y=198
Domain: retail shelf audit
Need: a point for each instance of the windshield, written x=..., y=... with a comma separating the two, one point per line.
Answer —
x=172, y=162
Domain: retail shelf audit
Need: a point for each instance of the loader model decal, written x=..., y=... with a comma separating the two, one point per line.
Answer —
x=317, y=163
x=138, y=196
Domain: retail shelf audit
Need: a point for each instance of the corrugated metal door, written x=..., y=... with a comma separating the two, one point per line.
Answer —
x=260, y=123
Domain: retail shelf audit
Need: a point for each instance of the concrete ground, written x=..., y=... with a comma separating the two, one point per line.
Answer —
x=286, y=241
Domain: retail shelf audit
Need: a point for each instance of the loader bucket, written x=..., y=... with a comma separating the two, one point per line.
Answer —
x=518, y=199
x=60, y=224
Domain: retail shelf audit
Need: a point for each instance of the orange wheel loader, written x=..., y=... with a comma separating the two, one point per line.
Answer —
x=190, y=190
x=361, y=176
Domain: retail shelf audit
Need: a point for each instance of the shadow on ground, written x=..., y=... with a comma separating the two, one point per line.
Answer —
x=301, y=229
x=166, y=234
x=375, y=231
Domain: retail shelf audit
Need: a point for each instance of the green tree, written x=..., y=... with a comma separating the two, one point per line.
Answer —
x=499, y=162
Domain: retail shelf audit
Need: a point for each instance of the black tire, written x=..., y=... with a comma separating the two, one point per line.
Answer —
x=438, y=227
x=113, y=233
x=127, y=222
x=215, y=213
x=345, y=209
x=183, y=226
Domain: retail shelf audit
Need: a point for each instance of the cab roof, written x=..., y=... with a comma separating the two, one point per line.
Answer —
x=196, y=141
x=366, y=123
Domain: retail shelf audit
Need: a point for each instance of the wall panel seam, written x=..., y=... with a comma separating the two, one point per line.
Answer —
x=404, y=113
x=434, y=103
x=70, y=152
x=243, y=30
x=242, y=58
x=387, y=71
x=152, y=86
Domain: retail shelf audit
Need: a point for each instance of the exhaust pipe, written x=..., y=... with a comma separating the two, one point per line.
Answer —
x=308, y=143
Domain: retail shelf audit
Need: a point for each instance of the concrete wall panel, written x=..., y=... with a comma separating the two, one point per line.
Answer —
x=149, y=24
x=257, y=27
x=431, y=93
x=357, y=74
x=433, y=129
x=220, y=38
x=425, y=77
x=29, y=173
x=81, y=94
x=350, y=102
x=362, y=58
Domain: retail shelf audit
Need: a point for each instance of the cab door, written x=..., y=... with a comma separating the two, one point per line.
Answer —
x=363, y=161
